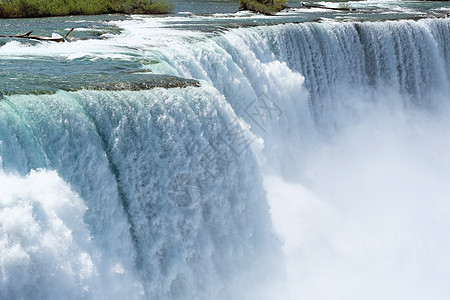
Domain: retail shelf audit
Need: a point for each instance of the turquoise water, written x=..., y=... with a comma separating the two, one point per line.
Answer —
x=215, y=154
x=27, y=72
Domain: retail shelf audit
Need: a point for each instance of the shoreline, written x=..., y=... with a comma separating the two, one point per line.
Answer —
x=27, y=9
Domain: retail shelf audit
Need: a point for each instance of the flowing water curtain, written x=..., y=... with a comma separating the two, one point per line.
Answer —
x=167, y=177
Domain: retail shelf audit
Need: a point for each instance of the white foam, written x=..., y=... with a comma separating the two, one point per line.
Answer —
x=43, y=239
x=368, y=218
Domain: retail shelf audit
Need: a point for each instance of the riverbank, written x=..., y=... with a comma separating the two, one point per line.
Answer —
x=52, y=8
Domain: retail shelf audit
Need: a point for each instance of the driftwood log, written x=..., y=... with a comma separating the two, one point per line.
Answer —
x=311, y=5
x=28, y=35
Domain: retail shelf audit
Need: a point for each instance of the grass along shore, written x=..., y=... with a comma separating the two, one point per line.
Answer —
x=53, y=8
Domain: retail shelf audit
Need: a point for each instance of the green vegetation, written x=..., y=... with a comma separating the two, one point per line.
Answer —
x=267, y=7
x=345, y=5
x=49, y=8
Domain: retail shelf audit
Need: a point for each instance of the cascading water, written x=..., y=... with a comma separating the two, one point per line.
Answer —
x=345, y=67
x=134, y=157
x=161, y=194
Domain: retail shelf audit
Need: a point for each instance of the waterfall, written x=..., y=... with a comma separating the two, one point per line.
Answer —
x=170, y=207
x=319, y=76
x=165, y=193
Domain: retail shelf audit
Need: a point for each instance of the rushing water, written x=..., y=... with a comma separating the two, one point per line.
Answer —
x=304, y=160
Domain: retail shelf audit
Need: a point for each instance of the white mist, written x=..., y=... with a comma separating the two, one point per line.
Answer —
x=369, y=214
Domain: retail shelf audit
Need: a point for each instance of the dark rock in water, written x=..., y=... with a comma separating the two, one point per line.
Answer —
x=150, y=82
x=106, y=82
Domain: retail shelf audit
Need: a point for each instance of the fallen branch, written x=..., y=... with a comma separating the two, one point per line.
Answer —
x=307, y=5
x=28, y=35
